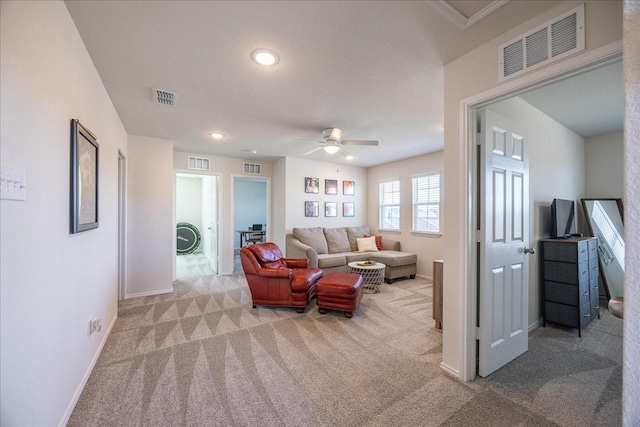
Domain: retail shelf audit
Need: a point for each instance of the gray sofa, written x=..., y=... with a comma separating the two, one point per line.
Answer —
x=331, y=249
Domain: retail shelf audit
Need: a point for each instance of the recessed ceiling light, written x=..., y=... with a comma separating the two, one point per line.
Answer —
x=265, y=57
x=216, y=135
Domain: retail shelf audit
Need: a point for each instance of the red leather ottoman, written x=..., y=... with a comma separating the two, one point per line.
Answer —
x=339, y=291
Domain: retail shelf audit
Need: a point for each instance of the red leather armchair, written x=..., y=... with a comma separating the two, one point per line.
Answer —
x=278, y=281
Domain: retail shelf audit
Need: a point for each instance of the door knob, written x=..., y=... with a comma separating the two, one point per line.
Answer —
x=529, y=250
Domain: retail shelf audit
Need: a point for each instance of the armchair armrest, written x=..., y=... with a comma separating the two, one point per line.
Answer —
x=297, y=262
x=276, y=272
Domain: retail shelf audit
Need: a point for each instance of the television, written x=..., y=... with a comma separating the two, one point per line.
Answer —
x=563, y=218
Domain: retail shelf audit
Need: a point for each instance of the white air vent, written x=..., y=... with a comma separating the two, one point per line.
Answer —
x=163, y=97
x=251, y=168
x=199, y=163
x=547, y=43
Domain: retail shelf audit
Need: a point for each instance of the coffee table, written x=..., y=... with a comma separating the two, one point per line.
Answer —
x=372, y=275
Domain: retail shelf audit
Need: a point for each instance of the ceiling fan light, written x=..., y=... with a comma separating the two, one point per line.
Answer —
x=331, y=149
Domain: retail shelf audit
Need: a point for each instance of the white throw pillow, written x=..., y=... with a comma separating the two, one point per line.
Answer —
x=367, y=244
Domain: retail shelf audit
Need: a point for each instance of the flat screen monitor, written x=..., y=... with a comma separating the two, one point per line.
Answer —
x=563, y=218
x=257, y=227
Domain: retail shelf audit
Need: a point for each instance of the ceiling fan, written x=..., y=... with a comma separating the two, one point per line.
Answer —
x=332, y=142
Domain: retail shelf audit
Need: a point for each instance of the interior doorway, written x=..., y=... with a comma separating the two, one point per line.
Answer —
x=250, y=212
x=197, y=221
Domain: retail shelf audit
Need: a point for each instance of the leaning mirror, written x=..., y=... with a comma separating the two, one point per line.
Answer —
x=605, y=221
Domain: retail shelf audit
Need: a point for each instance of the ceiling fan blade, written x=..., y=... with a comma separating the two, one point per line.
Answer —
x=359, y=142
x=346, y=153
x=306, y=140
x=313, y=151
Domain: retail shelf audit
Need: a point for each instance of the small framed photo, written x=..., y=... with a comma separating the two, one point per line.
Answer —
x=330, y=186
x=348, y=209
x=331, y=209
x=312, y=185
x=311, y=208
x=348, y=188
x=84, y=179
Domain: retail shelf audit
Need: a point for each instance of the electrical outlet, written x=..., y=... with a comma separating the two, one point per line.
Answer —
x=95, y=325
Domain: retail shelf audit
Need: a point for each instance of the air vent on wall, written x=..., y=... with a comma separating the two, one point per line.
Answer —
x=547, y=43
x=163, y=97
x=199, y=163
x=251, y=168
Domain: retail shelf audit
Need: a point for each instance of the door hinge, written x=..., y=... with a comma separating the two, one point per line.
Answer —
x=478, y=332
x=478, y=236
x=479, y=138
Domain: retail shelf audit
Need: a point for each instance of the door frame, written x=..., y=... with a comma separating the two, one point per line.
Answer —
x=122, y=226
x=468, y=107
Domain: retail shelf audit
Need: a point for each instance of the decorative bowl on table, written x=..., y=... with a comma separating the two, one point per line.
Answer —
x=365, y=263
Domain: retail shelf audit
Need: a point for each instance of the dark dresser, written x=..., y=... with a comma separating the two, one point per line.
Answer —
x=570, y=281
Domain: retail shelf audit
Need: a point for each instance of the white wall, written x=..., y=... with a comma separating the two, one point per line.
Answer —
x=468, y=76
x=556, y=170
x=297, y=169
x=150, y=216
x=605, y=166
x=249, y=205
x=631, y=357
x=189, y=202
x=225, y=168
x=51, y=283
x=427, y=248
x=279, y=203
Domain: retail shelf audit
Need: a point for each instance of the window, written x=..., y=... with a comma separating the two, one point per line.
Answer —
x=426, y=203
x=389, y=218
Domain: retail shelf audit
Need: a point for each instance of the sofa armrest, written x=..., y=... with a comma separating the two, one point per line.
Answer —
x=297, y=249
x=284, y=273
x=297, y=262
x=390, y=245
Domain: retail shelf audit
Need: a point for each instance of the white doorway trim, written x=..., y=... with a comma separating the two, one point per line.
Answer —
x=122, y=226
x=572, y=66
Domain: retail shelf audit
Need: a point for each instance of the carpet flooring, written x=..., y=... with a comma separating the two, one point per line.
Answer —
x=201, y=356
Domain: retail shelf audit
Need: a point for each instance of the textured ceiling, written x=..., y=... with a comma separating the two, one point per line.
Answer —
x=373, y=69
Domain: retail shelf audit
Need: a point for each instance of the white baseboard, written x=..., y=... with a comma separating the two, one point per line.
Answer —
x=450, y=371
x=85, y=377
x=535, y=325
x=149, y=293
x=422, y=276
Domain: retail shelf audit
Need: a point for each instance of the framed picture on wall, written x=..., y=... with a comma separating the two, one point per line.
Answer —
x=84, y=179
x=331, y=209
x=348, y=188
x=311, y=208
x=348, y=209
x=311, y=185
x=330, y=186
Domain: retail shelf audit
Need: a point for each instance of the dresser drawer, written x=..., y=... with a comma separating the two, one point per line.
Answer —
x=566, y=273
x=566, y=293
x=568, y=315
x=593, y=249
x=594, y=272
x=575, y=252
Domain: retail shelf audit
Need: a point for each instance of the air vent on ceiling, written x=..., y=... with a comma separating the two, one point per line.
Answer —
x=163, y=97
x=547, y=43
x=199, y=163
x=251, y=168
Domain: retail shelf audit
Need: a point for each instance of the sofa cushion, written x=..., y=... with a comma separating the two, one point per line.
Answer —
x=394, y=258
x=357, y=256
x=337, y=240
x=367, y=244
x=331, y=260
x=355, y=232
x=314, y=237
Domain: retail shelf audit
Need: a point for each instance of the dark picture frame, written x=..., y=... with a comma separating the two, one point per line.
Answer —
x=331, y=186
x=84, y=178
x=348, y=188
x=311, y=208
x=330, y=209
x=312, y=185
x=348, y=209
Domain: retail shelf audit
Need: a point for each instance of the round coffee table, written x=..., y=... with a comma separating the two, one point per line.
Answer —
x=372, y=275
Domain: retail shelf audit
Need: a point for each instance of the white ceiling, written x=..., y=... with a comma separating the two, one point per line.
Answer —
x=373, y=69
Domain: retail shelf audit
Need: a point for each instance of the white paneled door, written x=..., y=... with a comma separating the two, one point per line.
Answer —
x=504, y=237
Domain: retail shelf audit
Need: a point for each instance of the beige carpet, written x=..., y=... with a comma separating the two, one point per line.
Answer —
x=203, y=357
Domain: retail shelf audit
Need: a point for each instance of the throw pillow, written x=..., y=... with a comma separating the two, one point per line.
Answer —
x=337, y=240
x=367, y=244
x=378, y=241
x=353, y=233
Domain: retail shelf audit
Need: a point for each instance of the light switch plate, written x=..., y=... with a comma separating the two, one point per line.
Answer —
x=13, y=183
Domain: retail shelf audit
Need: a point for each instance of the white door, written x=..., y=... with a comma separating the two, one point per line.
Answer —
x=504, y=230
x=210, y=220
